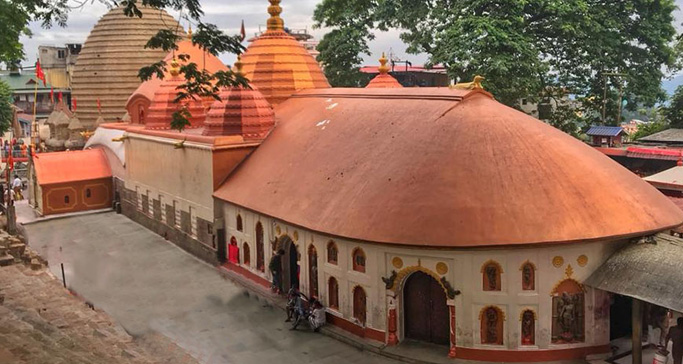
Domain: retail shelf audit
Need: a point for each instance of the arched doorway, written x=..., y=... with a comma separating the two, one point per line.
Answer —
x=425, y=312
x=290, y=266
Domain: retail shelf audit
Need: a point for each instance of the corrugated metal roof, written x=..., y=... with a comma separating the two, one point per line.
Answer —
x=23, y=81
x=666, y=136
x=649, y=271
x=600, y=130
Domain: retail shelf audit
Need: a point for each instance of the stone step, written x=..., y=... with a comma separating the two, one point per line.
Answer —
x=6, y=260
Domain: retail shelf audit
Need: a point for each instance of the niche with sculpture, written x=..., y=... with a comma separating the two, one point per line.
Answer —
x=491, y=272
x=491, y=319
x=528, y=322
x=568, y=313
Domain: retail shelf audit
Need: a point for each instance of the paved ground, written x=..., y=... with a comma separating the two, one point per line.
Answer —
x=40, y=322
x=148, y=285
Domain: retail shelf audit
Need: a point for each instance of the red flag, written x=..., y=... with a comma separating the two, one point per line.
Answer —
x=73, y=103
x=10, y=159
x=39, y=73
x=52, y=95
x=59, y=96
x=99, y=106
x=243, y=33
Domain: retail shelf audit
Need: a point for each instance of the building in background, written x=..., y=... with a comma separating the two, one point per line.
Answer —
x=607, y=136
x=413, y=76
x=58, y=63
x=23, y=84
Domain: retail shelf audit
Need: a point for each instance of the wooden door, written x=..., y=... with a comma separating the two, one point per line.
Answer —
x=425, y=311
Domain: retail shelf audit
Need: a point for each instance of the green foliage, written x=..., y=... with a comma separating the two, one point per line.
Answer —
x=522, y=47
x=6, y=111
x=674, y=111
x=180, y=119
x=567, y=118
x=340, y=55
x=650, y=128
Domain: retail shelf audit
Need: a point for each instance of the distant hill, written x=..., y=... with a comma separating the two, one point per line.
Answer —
x=670, y=85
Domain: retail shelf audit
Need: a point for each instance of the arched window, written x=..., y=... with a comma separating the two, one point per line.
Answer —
x=528, y=320
x=333, y=293
x=491, y=319
x=239, y=223
x=66, y=199
x=87, y=193
x=332, y=252
x=491, y=271
x=358, y=260
x=528, y=276
x=568, y=312
x=313, y=271
x=259, y=247
x=359, y=304
x=246, y=254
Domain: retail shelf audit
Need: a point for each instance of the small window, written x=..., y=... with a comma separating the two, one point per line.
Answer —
x=66, y=199
x=524, y=101
x=87, y=193
x=491, y=276
x=358, y=260
x=239, y=223
x=209, y=229
x=332, y=252
x=246, y=258
x=333, y=293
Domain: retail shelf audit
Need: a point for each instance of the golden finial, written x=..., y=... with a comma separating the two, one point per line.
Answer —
x=86, y=134
x=383, y=69
x=238, y=65
x=474, y=85
x=175, y=68
x=189, y=31
x=275, y=22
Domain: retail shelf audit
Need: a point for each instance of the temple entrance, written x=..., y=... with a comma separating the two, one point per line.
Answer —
x=425, y=312
x=290, y=266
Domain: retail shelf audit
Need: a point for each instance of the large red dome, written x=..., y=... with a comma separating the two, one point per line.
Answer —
x=441, y=168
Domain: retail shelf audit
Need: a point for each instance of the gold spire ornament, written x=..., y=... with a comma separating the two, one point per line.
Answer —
x=189, y=31
x=474, y=85
x=275, y=22
x=175, y=68
x=383, y=68
x=238, y=65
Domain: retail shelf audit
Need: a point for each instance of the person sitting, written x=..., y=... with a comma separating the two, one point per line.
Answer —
x=300, y=313
x=317, y=317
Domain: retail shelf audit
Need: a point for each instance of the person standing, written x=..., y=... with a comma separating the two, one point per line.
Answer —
x=275, y=267
x=17, y=187
x=676, y=336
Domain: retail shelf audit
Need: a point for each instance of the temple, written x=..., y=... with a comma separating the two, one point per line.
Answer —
x=430, y=214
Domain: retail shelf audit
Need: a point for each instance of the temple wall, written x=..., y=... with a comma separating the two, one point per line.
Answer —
x=554, y=264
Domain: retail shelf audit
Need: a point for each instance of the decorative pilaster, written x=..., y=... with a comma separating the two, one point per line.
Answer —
x=391, y=319
x=451, y=310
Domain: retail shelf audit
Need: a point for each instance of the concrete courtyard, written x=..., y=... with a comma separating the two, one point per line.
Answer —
x=149, y=285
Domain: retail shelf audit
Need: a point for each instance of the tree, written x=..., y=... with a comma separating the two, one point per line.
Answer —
x=523, y=47
x=674, y=111
x=340, y=55
x=6, y=108
x=15, y=15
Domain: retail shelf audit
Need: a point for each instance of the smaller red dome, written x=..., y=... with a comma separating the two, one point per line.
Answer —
x=240, y=111
x=383, y=79
x=162, y=107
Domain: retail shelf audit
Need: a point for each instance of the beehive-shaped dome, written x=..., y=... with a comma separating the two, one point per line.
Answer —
x=241, y=111
x=383, y=79
x=107, y=67
x=278, y=64
x=163, y=106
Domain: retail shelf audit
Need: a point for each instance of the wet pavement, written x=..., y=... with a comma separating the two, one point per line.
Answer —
x=149, y=285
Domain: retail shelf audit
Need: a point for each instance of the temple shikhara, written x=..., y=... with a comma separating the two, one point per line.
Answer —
x=431, y=214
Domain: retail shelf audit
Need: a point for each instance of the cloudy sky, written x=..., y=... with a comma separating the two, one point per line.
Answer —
x=228, y=16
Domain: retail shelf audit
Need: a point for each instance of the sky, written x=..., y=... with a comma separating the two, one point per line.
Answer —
x=228, y=15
